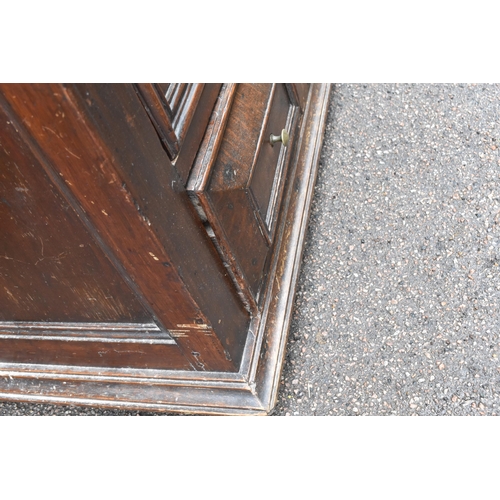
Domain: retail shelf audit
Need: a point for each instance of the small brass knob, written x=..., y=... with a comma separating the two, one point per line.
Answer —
x=283, y=138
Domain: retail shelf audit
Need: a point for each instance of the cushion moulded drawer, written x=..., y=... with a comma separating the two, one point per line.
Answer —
x=236, y=183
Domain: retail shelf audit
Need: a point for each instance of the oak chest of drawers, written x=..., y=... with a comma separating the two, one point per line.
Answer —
x=151, y=237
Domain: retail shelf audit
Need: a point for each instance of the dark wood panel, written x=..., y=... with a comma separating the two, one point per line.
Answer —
x=212, y=140
x=239, y=234
x=50, y=266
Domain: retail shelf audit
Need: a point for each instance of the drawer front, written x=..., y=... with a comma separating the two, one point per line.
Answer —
x=266, y=176
x=239, y=187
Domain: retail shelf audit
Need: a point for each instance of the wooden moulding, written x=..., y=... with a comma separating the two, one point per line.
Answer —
x=253, y=390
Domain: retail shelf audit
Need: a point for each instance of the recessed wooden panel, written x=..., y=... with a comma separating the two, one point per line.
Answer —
x=50, y=266
x=171, y=108
x=158, y=109
x=180, y=113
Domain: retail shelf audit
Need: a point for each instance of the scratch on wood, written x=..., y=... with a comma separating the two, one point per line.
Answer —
x=72, y=154
x=178, y=333
x=56, y=258
x=195, y=326
x=50, y=130
x=10, y=258
x=10, y=294
x=131, y=352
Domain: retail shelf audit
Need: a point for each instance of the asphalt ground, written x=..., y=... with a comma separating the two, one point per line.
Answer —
x=397, y=310
x=397, y=307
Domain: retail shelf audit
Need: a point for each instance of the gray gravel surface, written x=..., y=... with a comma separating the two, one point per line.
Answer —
x=397, y=309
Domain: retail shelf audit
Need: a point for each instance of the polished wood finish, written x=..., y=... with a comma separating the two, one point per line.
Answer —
x=182, y=324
